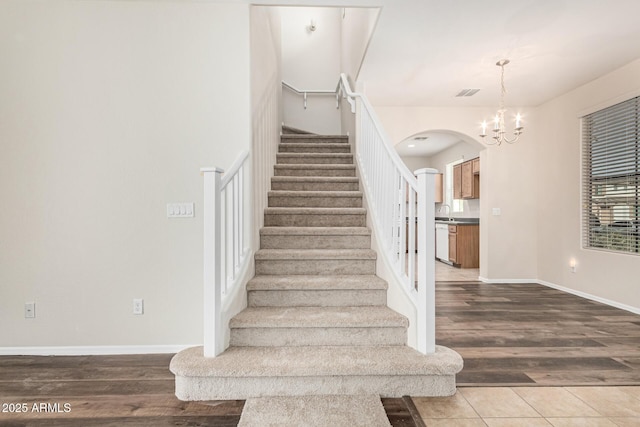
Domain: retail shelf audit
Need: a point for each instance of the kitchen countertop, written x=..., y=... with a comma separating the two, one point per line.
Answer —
x=458, y=221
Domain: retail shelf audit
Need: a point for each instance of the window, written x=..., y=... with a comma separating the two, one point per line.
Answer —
x=611, y=178
x=455, y=204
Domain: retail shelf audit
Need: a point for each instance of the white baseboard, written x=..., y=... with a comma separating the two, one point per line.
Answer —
x=605, y=301
x=581, y=294
x=92, y=350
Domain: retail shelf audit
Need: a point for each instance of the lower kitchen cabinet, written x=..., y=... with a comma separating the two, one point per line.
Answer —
x=464, y=245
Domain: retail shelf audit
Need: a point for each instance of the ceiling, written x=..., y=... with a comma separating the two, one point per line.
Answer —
x=423, y=52
x=416, y=146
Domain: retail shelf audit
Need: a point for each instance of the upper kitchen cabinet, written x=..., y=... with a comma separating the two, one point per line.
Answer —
x=457, y=181
x=466, y=180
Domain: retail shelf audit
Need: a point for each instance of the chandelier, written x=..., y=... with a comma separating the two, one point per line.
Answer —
x=499, y=129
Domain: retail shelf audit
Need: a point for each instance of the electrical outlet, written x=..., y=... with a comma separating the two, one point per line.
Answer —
x=29, y=310
x=138, y=306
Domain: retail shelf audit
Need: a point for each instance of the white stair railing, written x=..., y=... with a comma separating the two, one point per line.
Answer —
x=225, y=247
x=397, y=197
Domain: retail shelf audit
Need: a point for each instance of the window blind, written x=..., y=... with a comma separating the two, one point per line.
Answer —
x=611, y=178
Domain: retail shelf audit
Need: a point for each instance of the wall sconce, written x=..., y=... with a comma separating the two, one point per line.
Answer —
x=312, y=26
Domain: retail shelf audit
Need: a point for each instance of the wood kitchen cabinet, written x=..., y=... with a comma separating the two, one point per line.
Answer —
x=439, y=190
x=464, y=245
x=466, y=182
x=476, y=165
x=457, y=181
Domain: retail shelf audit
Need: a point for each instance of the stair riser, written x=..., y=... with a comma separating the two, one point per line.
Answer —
x=298, y=337
x=313, y=220
x=226, y=388
x=313, y=140
x=314, y=242
x=317, y=298
x=312, y=148
x=316, y=266
x=314, y=172
x=313, y=186
x=315, y=202
x=317, y=160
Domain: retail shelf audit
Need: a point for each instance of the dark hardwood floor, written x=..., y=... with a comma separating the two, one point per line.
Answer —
x=515, y=334
x=528, y=334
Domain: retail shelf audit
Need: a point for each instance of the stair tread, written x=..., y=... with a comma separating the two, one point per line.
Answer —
x=314, y=144
x=315, y=211
x=314, y=179
x=337, y=155
x=318, y=283
x=315, y=166
x=314, y=254
x=316, y=231
x=312, y=136
x=313, y=193
x=315, y=361
x=319, y=317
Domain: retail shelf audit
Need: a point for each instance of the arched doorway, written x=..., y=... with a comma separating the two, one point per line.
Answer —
x=450, y=152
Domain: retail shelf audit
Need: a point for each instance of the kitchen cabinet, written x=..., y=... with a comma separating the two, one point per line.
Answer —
x=464, y=245
x=439, y=190
x=457, y=181
x=466, y=182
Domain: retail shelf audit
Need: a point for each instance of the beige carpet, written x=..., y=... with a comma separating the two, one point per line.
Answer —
x=314, y=411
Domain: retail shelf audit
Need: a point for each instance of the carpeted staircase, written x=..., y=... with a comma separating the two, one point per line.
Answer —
x=317, y=322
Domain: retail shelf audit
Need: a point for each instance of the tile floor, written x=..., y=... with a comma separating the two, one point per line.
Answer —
x=446, y=273
x=533, y=406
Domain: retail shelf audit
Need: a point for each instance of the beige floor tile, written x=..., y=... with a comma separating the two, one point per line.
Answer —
x=633, y=391
x=580, y=422
x=626, y=421
x=452, y=422
x=555, y=402
x=455, y=406
x=608, y=401
x=516, y=422
x=498, y=402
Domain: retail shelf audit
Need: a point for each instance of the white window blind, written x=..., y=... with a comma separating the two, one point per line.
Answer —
x=611, y=178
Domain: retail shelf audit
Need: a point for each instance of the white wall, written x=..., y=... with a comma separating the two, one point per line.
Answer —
x=108, y=111
x=311, y=61
x=509, y=181
x=266, y=91
x=357, y=28
x=558, y=152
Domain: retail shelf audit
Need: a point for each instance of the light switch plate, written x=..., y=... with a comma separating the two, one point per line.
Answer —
x=495, y=212
x=29, y=310
x=180, y=210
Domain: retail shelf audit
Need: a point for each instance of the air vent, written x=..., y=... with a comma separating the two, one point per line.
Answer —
x=467, y=92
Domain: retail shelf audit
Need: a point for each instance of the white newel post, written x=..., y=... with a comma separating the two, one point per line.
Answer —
x=426, y=261
x=213, y=336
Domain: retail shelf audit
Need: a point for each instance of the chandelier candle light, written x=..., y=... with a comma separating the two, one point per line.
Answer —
x=499, y=132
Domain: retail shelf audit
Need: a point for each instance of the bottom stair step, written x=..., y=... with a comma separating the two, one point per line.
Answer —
x=246, y=372
x=315, y=411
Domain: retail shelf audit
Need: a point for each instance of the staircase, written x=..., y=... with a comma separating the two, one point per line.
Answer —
x=317, y=320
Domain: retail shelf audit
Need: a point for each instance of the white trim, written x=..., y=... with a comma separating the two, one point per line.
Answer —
x=635, y=310
x=605, y=301
x=92, y=350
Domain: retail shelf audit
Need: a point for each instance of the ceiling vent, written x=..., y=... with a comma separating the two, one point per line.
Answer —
x=467, y=92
